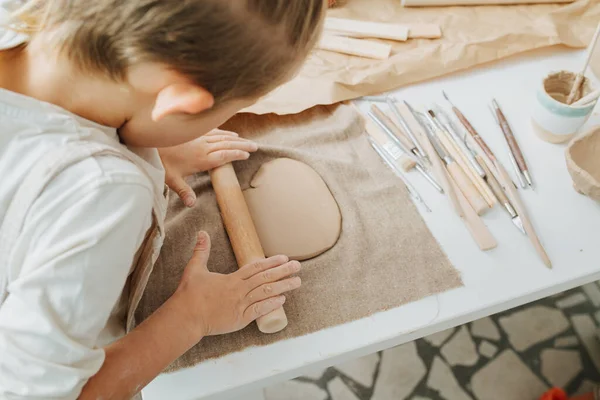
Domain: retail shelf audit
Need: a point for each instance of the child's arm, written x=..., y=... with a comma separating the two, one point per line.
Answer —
x=204, y=304
x=205, y=153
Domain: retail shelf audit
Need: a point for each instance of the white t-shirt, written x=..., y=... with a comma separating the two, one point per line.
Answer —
x=75, y=251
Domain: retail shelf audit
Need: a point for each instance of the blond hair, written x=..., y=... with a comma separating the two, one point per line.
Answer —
x=232, y=48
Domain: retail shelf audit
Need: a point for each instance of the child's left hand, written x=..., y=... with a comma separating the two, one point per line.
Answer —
x=205, y=153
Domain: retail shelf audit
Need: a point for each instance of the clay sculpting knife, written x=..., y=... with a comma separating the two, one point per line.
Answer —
x=398, y=143
x=388, y=161
x=514, y=197
x=490, y=178
x=391, y=104
x=512, y=143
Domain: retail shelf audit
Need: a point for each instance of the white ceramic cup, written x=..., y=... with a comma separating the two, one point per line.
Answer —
x=557, y=122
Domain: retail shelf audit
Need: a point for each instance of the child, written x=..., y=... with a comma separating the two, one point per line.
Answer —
x=81, y=214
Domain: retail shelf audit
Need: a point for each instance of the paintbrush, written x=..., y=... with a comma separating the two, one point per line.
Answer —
x=515, y=150
x=390, y=163
x=388, y=131
x=580, y=76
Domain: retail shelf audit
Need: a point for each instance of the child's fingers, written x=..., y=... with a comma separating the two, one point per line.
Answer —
x=202, y=249
x=273, y=289
x=273, y=274
x=223, y=138
x=217, y=132
x=261, y=308
x=226, y=156
x=237, y=144
x=248, y=271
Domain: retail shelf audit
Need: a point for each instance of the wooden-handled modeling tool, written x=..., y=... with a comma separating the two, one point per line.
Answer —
x=354, y=47
x=419, y=150
x=512, y=144
x=483, y=161
x=441, y=146
x=580, y=76
x=477, y=228
x=437, y=164
x=242, y=233
x=387, y=126
x=513, y=195
x=389, y=162
x=408, y=143
x=464, y=158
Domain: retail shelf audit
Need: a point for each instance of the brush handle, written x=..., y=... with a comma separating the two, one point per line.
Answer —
x=575, y=88
x=393, y=127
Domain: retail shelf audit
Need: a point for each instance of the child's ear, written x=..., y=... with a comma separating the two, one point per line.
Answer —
x=180, y=98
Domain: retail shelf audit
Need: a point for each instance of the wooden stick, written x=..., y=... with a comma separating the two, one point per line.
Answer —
x=462, y=180
x=355, y=47
x=366, y=29
x=471, y=173
x=477, y=228
x=438, y=167
x=242, y=233
x=581, y=75
x=512, y=194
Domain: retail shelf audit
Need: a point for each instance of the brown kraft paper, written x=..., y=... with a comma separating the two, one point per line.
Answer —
x=471, y=36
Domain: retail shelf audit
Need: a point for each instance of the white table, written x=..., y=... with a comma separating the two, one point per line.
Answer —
x=508, y=276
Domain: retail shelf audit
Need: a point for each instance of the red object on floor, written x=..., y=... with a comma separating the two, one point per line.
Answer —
x=554, y=394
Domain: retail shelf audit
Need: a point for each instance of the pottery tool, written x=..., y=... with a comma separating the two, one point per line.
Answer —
x=242, y=233
x=385, y=128
x=579, y=78
x=513, y=195
x=512, y=144
x=406, y=142
x=588, y=98
x=474, y=223
x=418, y=149
x=466, y=158
x=383, y=141
x=490, y=178
x=441, y=145
x=502, y=198
x=381, y=30
x=389, y=162
x=436, y=163
x=355, y=47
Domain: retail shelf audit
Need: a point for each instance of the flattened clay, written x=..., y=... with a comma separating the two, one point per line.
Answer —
x=293, y=210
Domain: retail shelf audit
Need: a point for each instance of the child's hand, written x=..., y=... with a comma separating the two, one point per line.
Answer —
x=227, y=303
x=205, y=153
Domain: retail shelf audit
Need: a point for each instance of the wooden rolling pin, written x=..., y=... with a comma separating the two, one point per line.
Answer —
x=242, y=233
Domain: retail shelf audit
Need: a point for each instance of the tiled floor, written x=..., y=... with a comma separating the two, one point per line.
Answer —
x=515, y=355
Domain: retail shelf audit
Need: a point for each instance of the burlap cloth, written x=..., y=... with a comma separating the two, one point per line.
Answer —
x=385, y=256
x=471, y=36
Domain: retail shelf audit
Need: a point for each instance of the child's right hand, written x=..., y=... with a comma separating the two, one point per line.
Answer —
x=220, y=303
